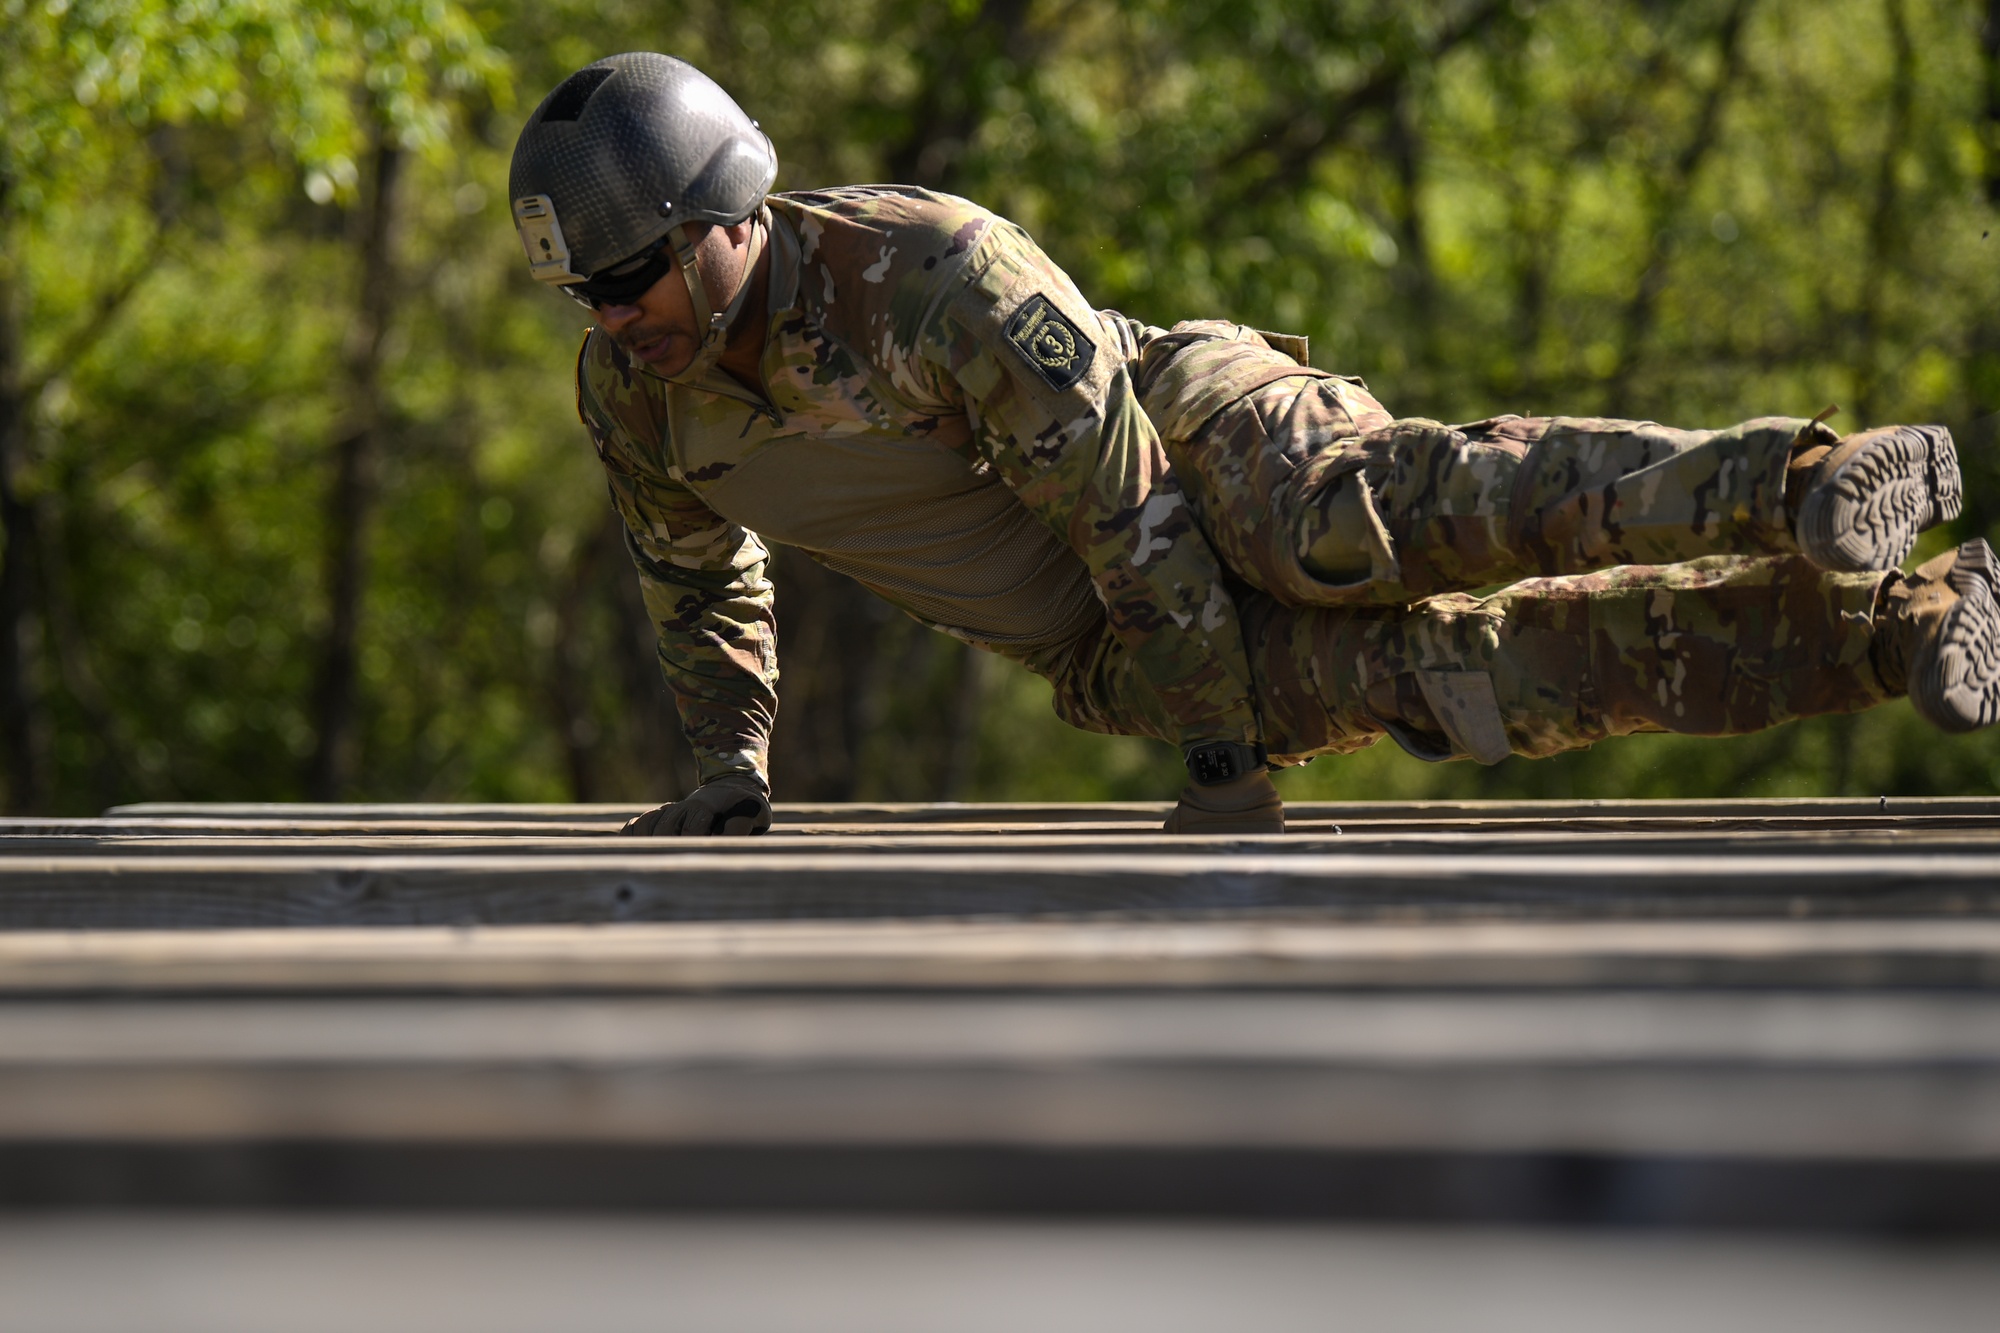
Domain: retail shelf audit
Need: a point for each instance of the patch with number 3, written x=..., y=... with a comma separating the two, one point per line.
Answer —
x=1051, y=344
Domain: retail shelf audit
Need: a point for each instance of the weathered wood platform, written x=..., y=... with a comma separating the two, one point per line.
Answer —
x=204, y=1273
x=1714, y=1011
x=955, y=956
x=185, y=867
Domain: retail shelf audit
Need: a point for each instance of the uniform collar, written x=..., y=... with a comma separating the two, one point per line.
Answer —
x=785, y=264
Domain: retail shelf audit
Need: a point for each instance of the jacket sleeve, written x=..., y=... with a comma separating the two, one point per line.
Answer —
x=704, y=584
x=1053, y=410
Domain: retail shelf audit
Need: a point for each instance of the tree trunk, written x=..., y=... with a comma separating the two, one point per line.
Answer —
x=961, y=745
x=829, y=646
x=20, y=706
x=331, y=766
x=1883, y=232
x=662, y=759
x=951, y=105
x=1667, y=197
x=1415, y=277
x=1983, y=356
x=637, y=752
x=1989, y=45
x=569, y=678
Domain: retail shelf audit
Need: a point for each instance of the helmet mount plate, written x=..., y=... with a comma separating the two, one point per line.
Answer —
x=542, y=237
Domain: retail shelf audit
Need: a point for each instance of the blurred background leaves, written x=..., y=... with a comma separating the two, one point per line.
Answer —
x=293, y=500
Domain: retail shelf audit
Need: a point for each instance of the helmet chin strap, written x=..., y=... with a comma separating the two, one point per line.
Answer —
x=717, y=323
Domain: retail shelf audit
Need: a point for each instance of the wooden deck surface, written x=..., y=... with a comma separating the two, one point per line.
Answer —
x=1869, y=1077
x=616, y=1273
x=823, y=957
x=1804, y=986
x=194, y=867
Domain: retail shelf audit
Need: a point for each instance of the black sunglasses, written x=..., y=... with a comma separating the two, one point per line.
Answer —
x=624, y=283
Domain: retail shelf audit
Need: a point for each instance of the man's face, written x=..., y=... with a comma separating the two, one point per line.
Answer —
x=657, y=328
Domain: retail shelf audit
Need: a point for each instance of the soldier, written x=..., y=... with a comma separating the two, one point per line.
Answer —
x=1191, y=533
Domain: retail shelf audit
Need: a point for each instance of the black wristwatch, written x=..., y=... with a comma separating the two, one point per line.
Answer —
x=1218, y=762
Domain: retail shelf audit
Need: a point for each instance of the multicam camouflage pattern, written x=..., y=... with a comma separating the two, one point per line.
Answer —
x=948, y=422
x=704, y=585
x=1712, y=647
x=1548, y=663
x=932, y=378
x=1443, y=508
x=1719, y=646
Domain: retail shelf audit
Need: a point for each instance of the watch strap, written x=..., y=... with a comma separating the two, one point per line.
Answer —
x=1218, y=762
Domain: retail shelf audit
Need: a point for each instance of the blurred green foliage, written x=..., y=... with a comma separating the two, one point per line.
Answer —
x=1697, y=212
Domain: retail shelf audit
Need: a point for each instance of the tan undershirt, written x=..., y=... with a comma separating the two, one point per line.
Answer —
x=914, y=522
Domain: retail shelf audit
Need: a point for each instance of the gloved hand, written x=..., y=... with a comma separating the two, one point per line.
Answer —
x=734, y=805
x=1250, y=804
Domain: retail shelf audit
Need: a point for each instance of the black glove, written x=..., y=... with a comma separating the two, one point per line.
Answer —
x=733, y=805
x=1250, y=804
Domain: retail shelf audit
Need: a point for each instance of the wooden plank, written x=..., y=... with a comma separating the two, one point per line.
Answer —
x=625, y=1269
x=1459, y=837
x=1908, y=1077
x=375, y=812
x=1898, y=1199
x=619, y=812
x=867, y=1032
x=31, y=826
x=1114, y=812
x=135, y=831
x=976, y=956
x=1896, y=835
x=164, y=891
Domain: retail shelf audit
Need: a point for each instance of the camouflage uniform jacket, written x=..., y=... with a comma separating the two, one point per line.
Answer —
x=945, y=419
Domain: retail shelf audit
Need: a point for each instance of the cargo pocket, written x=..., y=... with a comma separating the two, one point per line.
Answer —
x=1468, y=711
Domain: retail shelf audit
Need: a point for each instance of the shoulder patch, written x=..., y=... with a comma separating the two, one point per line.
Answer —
x=1045, y=338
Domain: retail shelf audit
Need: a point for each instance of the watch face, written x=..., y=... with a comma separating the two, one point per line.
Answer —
x=1212, y=764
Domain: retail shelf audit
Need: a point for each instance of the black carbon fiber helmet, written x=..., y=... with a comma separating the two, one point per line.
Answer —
x=625, y=152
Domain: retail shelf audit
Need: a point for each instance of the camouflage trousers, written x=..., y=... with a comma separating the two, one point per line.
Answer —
x=1652, y=580
x=1719, y=646
x=1311, y=492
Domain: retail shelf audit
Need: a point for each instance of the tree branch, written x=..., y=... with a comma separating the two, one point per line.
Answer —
x=1299, y=133
x=104, y=311
x=953, y=100
x=1882, y=221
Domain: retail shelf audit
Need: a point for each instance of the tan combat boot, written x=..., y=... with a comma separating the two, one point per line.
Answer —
x=1940, y=637
x=1250, y=804
x=1861, y=501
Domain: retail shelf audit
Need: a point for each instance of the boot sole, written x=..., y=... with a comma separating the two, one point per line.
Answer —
x=1956, y=684
x=1867, y=514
